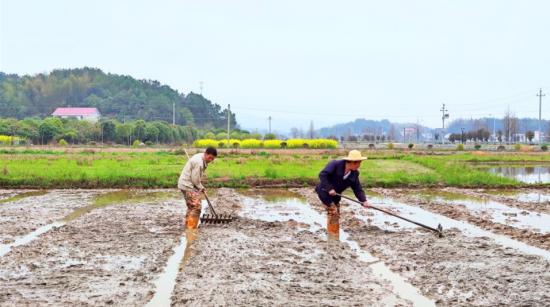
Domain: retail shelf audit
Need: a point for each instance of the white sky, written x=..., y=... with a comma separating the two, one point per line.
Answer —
x=326, y=61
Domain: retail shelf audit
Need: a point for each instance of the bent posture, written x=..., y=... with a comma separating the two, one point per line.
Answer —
x=191, y=186
x=337, y=176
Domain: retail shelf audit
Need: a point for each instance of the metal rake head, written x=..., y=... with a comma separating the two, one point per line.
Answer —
x=216, y=218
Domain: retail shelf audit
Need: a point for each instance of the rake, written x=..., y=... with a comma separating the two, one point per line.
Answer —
x=438, y=230
x=214, y=218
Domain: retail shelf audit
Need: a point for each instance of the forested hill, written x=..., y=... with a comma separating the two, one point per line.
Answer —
x=116, y=96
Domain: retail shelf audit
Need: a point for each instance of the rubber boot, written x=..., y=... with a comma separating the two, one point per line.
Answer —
x=333, y=227
x=192, y=222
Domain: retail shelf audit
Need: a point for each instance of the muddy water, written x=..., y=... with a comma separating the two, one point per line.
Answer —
x=536, y=200
x=283, y=261
x=26, y=212
x=98, y=200
x=111, y=255
x=462, y=269
x=527, y=174
x=462, y=213
x=495, y=211
x=299, y=210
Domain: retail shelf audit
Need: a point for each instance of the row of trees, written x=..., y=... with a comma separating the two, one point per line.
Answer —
x=52, y=129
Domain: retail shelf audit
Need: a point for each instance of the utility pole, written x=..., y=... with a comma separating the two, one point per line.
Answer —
x=462, y=135
x=404, y=136
x=444, y=115
x=269, y=119
x=173, y=113
x=200, y=87
x=540, y=94
x=228, y=122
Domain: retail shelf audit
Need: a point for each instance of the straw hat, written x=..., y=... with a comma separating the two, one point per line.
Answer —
x=354, y=155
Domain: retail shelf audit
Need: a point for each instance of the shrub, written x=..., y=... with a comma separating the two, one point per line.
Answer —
x=411, y=145
x=544, y=148
x=371, y=146
x=149, y=143
x=390, y=146
x=477, y=146
x=272, y=144
x=460, y=147
x=62, y=142
x=501, y=148
x=284, y=144
x=251, y=143
x=517, y=147
x=430, y=146
x=204, y=143
x=136, y=143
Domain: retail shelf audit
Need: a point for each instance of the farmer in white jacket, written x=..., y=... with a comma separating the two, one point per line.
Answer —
x=190, y=184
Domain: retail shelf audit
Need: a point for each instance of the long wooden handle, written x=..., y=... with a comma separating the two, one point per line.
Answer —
x=438, y=230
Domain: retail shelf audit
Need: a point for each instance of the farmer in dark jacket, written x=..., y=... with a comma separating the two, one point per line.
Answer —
x=337, y=176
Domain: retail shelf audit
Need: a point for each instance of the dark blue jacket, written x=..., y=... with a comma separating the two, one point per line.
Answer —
x=332, y=177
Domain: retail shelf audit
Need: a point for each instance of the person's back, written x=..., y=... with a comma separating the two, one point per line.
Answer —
x=191, y=174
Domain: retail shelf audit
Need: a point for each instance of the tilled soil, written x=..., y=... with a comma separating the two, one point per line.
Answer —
x=111, y=255
x=454, y=270
x=460, y=212
x=259, y=263
x=25, y=215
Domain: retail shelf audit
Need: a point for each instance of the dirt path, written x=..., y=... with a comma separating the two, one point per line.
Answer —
x=455, y=270
x=109, y=256
x=254, y=262
x=20, y=217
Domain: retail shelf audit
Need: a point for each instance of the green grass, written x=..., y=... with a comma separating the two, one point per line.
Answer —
x=161, y=169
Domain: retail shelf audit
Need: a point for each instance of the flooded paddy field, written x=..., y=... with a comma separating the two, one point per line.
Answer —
x=130, y=247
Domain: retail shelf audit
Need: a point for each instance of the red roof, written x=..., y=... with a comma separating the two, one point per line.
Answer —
x=75, y=111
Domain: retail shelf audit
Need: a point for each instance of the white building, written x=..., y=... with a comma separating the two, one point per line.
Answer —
x=90, y=114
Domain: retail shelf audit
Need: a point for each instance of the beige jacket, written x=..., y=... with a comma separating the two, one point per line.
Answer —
x=190, y=178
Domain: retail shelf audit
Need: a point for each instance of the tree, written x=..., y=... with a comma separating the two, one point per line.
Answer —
x=50, y=128
x=270, y=136
x=311, y=130
x=391, y=135
x=151, y=133
x=108, y=131
x=139, y=129
x=124, y=132
x=530, y=135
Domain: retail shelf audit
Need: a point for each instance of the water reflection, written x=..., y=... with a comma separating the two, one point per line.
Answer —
x=527, y=174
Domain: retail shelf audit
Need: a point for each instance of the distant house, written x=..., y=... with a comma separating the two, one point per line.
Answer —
x=91, y=114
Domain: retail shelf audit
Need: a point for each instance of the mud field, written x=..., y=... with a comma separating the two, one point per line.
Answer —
x=130, y=248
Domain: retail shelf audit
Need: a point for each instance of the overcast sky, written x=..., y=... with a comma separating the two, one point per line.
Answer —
x=298, y=61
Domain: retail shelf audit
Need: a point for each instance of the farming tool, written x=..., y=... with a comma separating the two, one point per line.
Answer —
x=438, y=230
x=213, y=217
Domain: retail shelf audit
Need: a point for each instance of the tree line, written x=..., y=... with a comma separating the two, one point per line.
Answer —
x=39, y=131
x=116, y=96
